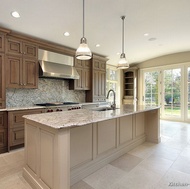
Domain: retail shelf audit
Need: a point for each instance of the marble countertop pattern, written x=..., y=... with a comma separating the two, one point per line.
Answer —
x=81, y=117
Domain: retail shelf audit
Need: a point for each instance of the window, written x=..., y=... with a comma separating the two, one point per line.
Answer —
x=112, y=82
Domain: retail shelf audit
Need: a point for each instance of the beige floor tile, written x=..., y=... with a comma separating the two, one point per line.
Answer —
x=175, y=180
x=182, y=164
x=166, y=152
x=142, y=151
x=156, y=164
x=186, y=152
x=138, y=178
x=2, y=162
x=81, y=185
x=126, y=162
x=14, y=156
x=105, y=177
x=14, y=181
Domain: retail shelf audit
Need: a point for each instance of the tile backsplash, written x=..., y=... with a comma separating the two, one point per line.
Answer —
x=49, y=90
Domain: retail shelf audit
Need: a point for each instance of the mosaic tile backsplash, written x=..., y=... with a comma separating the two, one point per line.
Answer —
x=49, y=90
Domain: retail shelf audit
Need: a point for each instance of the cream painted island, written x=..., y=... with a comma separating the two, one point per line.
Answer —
x=62, y=148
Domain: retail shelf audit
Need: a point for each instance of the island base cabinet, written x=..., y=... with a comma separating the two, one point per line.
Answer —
x=59, y=158
x=47, y=154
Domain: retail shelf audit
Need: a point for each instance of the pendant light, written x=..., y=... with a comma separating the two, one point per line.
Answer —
x=123, y=64
x=83, y=52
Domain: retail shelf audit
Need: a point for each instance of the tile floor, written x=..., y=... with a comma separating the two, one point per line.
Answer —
x=149, y=166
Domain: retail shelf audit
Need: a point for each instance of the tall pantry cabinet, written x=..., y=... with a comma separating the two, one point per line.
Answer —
x=98, y=80
x=2, y=69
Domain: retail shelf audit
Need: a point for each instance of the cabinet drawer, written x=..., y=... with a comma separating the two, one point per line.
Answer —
x=16, y=136
x=3, y=120
x=16, y=118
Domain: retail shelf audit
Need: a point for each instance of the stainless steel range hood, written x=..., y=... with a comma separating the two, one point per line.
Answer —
x=54, y=65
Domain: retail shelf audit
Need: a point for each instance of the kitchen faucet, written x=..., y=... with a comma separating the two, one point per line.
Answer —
x=113, y=106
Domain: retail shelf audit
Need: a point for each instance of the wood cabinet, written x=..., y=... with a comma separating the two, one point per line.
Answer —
x=130, y=86
x=3, y=132
x=2, y=42
x=21, y=64
x=16, y=125
x=2, y=81
x=98, y=91
x=83, y=68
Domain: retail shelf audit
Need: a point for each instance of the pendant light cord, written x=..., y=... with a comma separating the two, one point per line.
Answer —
x=123, y=17
x=83, y=18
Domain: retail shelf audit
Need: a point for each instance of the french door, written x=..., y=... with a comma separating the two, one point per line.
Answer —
x=165, y=87
x=172, y=94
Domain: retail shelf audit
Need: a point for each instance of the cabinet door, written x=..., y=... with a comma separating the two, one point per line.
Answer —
x=14, y=72
x=2, y=43
x=14, y=47
x=96, y=83
x=78, y=63
x=2, y=81
x=30, y=50
x=30, y=73
x=78, y=82
x=16, y=125
x=102, y=85
x=86, y=79
x=3, y=132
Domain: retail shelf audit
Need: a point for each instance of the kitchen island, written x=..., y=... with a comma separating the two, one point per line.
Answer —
x=62, y=148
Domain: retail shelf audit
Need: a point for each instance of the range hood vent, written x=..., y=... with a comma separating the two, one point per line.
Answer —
x=54, y=65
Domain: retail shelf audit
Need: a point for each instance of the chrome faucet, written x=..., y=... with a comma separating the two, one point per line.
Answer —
x=113, y=106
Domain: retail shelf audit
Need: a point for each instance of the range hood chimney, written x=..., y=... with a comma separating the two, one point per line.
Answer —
x=54, y=65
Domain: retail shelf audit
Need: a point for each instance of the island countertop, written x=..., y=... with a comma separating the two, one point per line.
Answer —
x=81, y=117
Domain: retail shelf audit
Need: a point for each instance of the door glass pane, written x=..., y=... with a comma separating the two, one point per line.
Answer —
x=151, y=88
x=172, y=95
x=188, y=113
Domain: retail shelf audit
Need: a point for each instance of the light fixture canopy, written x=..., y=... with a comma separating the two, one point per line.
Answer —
x=123, y=64
x=83, y=52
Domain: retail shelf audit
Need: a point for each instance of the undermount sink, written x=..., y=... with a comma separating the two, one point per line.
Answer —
x=103, y=109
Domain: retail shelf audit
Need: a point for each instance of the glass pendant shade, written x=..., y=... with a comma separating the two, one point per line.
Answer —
x=123, y=64
x=83, y=52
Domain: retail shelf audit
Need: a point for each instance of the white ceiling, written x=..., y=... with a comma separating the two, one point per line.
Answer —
x=166, y=20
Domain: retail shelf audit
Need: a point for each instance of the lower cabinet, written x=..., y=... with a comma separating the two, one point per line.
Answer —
x=3, y=132
x=16, y=126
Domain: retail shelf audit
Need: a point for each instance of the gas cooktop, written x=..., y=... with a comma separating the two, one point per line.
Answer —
x=56, y=103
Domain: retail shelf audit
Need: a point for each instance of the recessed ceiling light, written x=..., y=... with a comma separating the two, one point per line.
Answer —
x=152, y=39
x=97, y=45
x=15, y=14
x=66, y=34
x=146, y=34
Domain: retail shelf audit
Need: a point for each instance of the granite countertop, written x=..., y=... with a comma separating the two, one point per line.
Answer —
x=81, y=117
x=22, y=108
x=40, y=107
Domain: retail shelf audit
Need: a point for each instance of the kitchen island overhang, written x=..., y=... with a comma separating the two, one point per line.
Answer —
x=64, y=147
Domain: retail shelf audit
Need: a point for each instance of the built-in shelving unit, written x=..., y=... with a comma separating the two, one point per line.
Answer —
x=130, y=86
